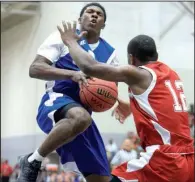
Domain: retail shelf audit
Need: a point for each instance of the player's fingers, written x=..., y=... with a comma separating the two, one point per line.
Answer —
x=113, y=112
x=69, y=25
x=74, y=25
x=117, y=117
x=80, y=83
x=64, y=25
x=60, y=30
x=84, y=80
x=122, y=119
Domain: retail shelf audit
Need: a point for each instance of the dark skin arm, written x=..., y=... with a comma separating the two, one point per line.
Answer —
x=41, y=69
x=131, y=75
x=103, y=71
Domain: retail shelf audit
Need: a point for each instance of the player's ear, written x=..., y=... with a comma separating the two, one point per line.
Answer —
x=133, y=60
x=130, y=59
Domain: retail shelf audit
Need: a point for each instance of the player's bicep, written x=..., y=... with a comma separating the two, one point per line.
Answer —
x=41, y=60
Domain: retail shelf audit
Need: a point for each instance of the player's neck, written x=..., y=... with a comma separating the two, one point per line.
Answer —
x=142, y=64
x=92, y=38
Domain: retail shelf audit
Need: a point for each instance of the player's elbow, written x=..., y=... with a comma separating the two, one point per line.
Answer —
x=33, y=70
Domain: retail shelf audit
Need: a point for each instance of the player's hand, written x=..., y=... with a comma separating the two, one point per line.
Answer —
x=80, y=78
x=68, y=32
x=121, y=111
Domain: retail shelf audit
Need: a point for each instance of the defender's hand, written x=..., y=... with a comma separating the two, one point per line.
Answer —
x=68, y=33
x=121, y=111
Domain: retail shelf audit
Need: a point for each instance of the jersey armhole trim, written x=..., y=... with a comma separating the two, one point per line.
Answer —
x=152, y=84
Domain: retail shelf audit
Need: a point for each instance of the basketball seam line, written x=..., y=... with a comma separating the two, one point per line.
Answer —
x=98, y=97
x=89, y=105
x=105, y=86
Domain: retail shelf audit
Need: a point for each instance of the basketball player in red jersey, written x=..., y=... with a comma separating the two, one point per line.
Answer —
x=157, y=103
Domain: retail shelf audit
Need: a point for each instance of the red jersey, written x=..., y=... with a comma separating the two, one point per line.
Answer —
x=160, y=113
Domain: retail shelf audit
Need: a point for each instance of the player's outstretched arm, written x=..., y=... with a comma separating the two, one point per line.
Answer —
x=128, y=74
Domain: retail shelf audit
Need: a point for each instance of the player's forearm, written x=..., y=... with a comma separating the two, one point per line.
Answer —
x=83, y=60
x=91, y=67
x=46, y=72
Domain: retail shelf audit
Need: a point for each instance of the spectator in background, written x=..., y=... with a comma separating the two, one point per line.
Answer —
x=111, y=149
x=131, y=135
x=6, y=171
x=137, y=146
x=126, y=153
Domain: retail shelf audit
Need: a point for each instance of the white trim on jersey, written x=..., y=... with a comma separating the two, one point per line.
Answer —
x=51, y=116
x=142, y=99
x=113, y=60
x=52, y=97
x=137, y=164
x=143, y=102
x=165, y=134
x=128, y=180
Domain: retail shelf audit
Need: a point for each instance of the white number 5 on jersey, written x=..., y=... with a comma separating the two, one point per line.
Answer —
x=179, y=86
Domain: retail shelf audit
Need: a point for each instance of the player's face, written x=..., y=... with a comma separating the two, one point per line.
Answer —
x=92, y=19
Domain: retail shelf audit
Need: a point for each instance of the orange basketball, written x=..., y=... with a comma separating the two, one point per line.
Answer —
x=99, y=95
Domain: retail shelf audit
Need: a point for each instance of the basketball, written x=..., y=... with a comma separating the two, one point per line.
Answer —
x=99, y=95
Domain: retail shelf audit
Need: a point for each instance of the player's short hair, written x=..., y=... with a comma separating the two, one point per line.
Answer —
x=94, y=4
x=143, y=47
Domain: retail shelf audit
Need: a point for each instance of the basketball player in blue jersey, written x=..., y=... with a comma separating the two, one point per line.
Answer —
x=70, y=128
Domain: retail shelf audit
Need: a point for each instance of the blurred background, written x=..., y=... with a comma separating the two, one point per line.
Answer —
x=25, y=25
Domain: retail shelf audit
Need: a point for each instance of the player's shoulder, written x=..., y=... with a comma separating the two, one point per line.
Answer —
x=166, y=69
x=157, y=67
x=54, y=38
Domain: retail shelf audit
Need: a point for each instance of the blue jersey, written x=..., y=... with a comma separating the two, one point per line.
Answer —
x=91, y=157
x=54, y=50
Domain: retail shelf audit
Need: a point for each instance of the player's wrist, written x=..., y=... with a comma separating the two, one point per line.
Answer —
x=69, y=74
x=70, y=43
